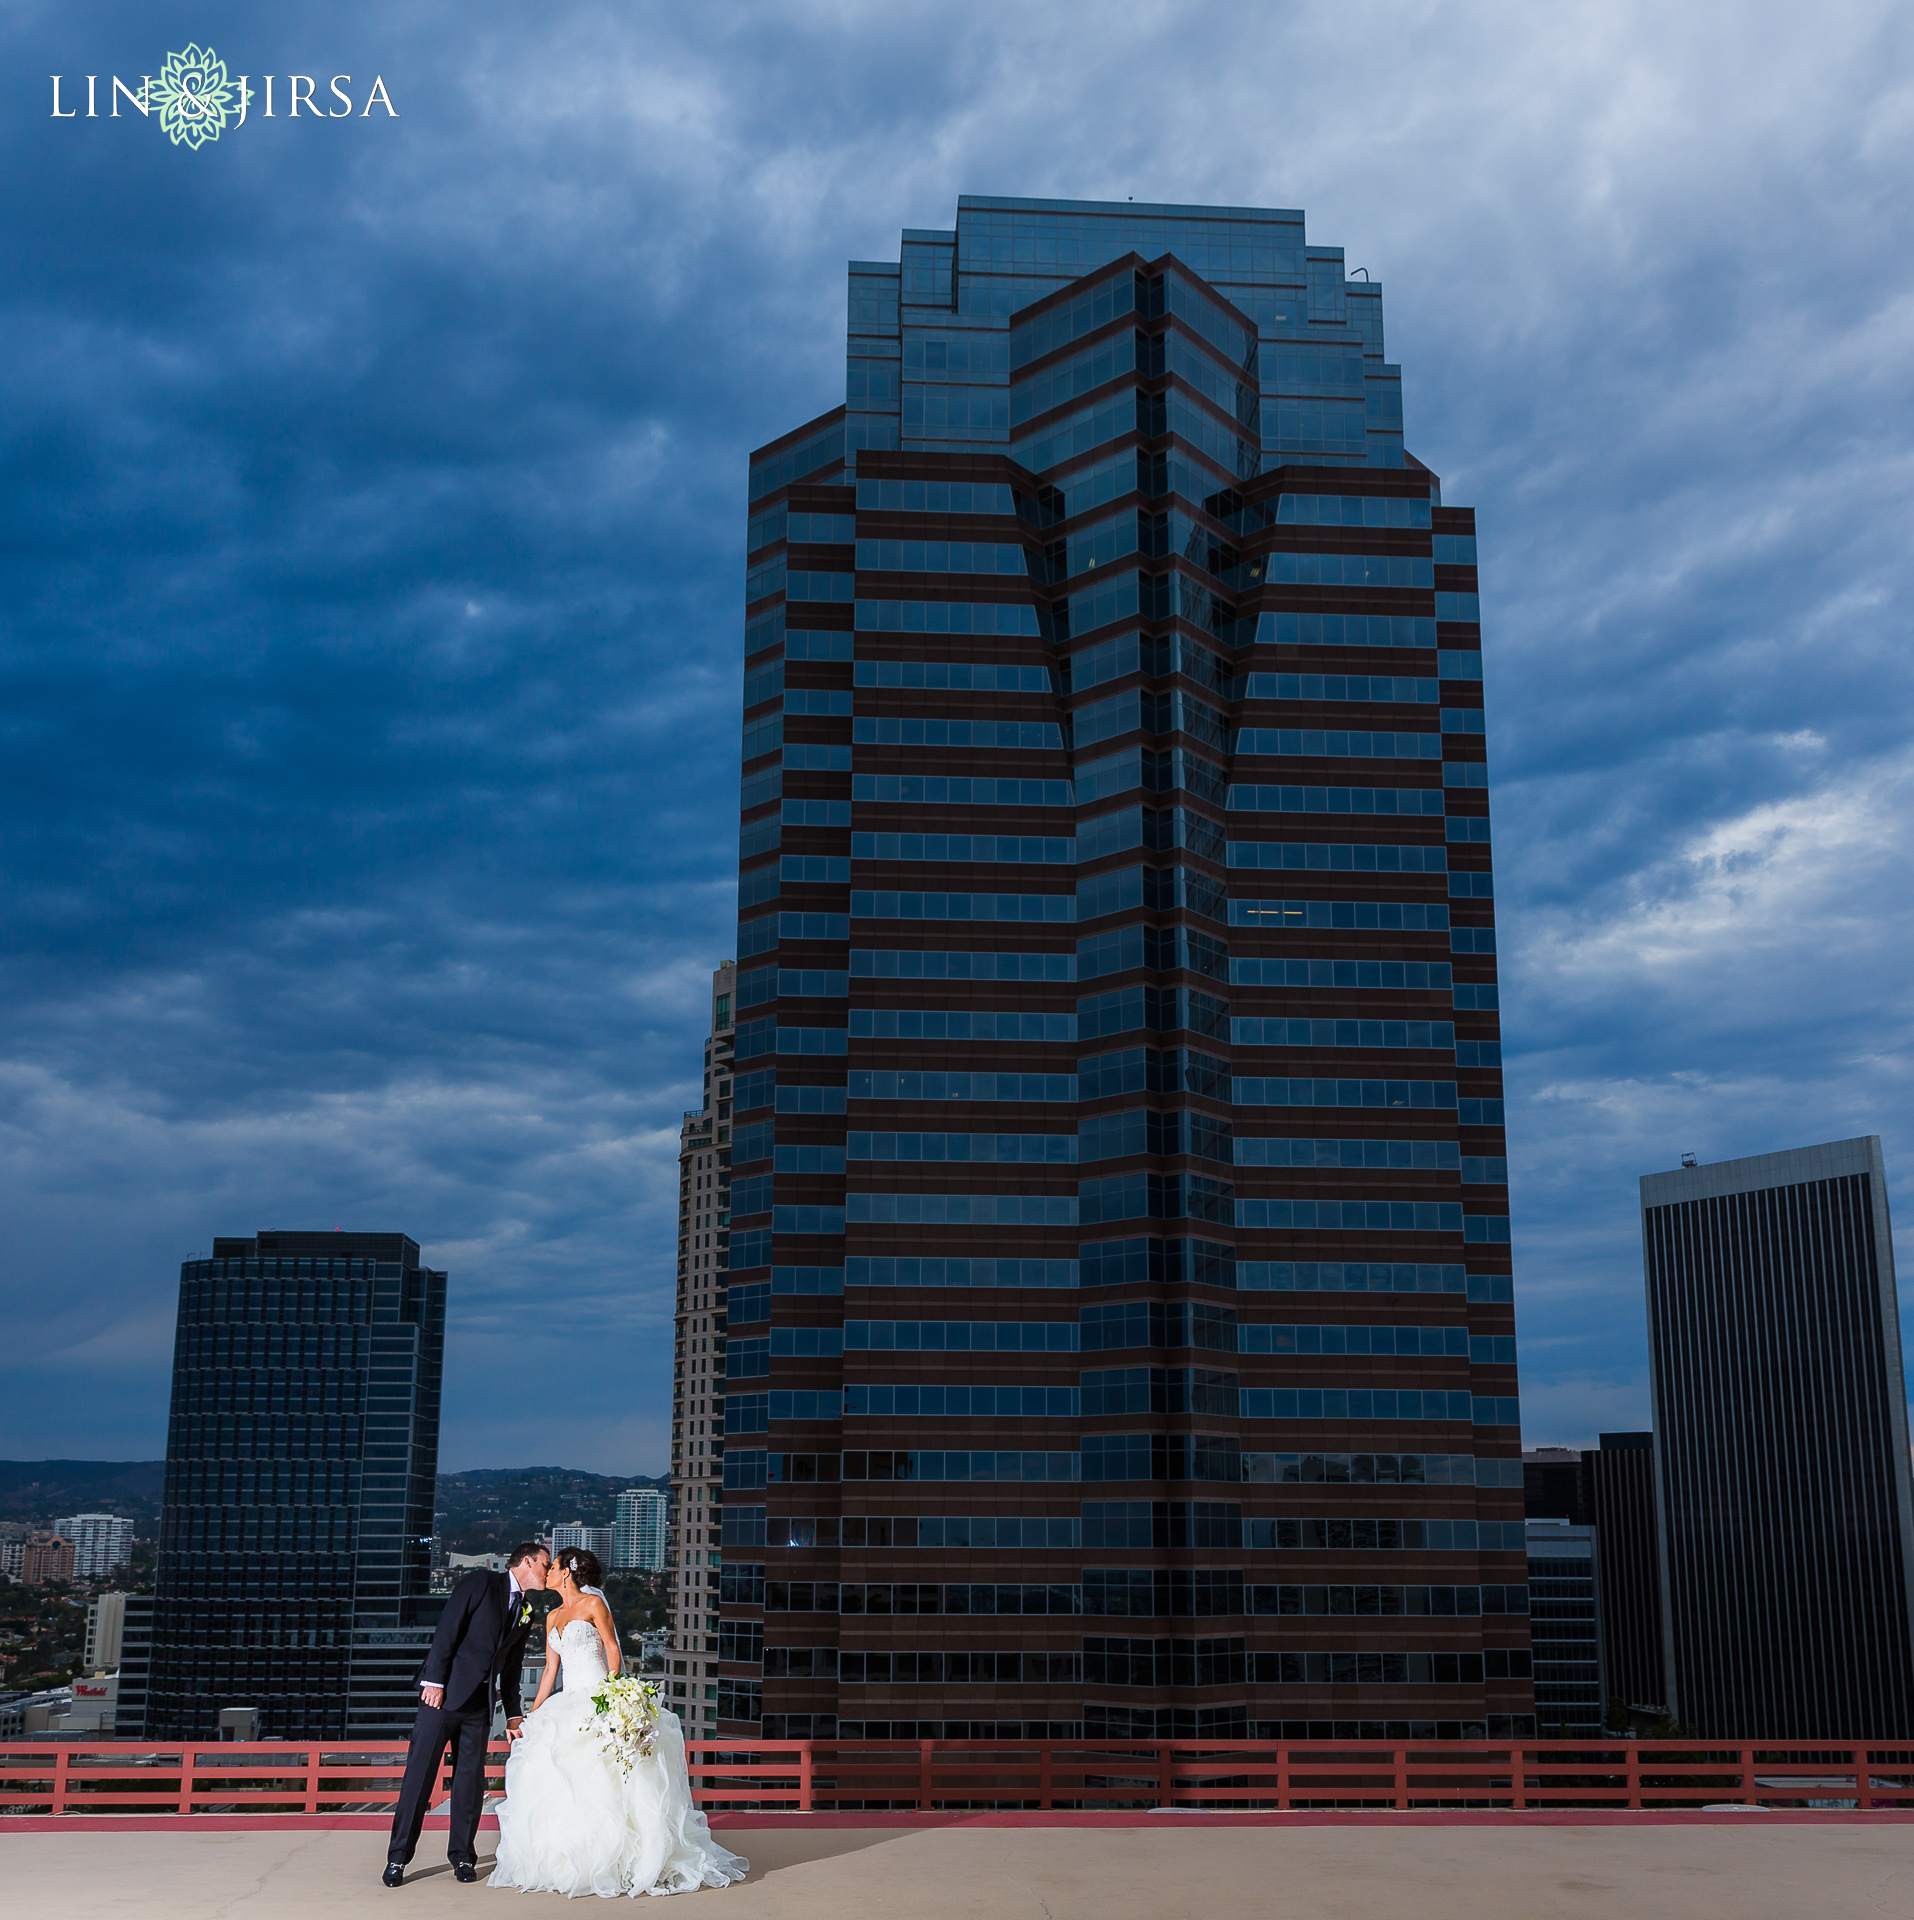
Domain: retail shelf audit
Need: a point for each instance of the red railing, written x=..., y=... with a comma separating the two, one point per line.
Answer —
x=1250, y=1775
x=264, y=1777
x=822, y=1776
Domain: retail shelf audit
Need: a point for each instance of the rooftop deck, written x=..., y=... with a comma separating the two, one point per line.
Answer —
x=1381, y=1866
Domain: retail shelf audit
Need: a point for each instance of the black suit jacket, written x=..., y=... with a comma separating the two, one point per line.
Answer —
x=480, y=1642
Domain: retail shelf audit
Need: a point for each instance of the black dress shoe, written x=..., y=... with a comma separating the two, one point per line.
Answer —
x=464, y=1870
x=394, y=1875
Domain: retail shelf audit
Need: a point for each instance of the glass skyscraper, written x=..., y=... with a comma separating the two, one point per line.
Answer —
x=1119, y=1331
x=301, y=1457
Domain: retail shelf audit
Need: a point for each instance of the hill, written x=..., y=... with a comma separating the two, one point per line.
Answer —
x=40, y=1491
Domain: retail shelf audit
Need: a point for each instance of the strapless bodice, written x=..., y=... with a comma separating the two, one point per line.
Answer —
x=581, y=1654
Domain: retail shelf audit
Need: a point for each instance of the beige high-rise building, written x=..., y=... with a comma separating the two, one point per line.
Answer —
x=693, y=1559
x=105, y=1626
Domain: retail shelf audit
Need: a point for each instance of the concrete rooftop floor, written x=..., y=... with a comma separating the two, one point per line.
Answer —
x=1738, y=1869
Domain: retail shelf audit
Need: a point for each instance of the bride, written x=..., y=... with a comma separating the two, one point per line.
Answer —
x=571, y=1821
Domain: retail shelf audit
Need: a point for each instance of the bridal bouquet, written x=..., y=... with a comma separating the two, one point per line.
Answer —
x=625, y=1719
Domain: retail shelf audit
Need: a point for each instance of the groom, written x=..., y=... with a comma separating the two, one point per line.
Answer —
x=473, y=1664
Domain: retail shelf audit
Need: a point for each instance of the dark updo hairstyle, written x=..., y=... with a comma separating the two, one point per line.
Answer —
x=582, y=1564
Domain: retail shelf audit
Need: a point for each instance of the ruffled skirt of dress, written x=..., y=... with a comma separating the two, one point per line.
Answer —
x=572, y=1823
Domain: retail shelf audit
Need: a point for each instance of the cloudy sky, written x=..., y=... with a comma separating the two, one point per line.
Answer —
x=370, y=590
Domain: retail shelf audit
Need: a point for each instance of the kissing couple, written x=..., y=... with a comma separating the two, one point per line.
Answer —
x=572, y=1820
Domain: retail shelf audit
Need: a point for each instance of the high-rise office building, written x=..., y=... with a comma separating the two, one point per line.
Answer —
x=639, y=1529
x=101, y=1542
x=295, y=1541
x=1781, y=1446
x=692, y=1553
x=1565, y=1624
x=1119, y=1225
x=1620, y=1478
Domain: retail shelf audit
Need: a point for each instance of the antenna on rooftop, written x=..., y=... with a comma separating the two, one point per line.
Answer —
x=1687, y=1159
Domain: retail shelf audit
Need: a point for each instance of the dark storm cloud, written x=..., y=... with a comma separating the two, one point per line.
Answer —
x=370, y=538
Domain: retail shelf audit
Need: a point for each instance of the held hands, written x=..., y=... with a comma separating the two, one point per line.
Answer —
x=434, y=1697
x=515, y=1729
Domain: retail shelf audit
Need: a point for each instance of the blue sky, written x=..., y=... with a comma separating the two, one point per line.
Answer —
x=370, y=595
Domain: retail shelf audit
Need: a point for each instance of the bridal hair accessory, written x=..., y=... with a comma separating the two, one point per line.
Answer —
x=625, y=1719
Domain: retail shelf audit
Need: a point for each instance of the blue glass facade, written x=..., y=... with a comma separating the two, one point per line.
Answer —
x=301, y=1462
x=1084, y=647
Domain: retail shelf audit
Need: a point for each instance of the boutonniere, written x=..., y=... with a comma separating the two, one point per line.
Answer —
x=525, y=1614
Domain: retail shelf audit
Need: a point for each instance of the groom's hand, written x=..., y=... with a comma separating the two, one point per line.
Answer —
x=434, y=1697
x=514, y=1729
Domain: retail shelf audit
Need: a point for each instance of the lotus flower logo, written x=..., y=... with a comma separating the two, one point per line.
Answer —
x=194, y=96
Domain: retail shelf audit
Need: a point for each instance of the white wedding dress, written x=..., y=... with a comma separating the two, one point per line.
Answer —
x=572, y=1822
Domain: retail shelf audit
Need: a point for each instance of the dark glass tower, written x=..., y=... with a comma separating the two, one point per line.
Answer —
x=301, y=1455
x=1781, y=1461
x=1120, y=1329
x=1621, y=1504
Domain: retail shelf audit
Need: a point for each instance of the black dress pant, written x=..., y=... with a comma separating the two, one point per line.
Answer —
x=467, y=1731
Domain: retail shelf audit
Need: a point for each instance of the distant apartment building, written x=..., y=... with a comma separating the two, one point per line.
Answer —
x=105, y=1628
x=692, y=1555
x=1782, y=1479
x=13, y=1558
x=47, y=1557
x=594, y=1540
x=102, y=1542
x=294, y=1564
x=639, y=1529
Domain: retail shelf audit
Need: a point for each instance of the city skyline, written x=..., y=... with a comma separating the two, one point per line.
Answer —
x=360, y=845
